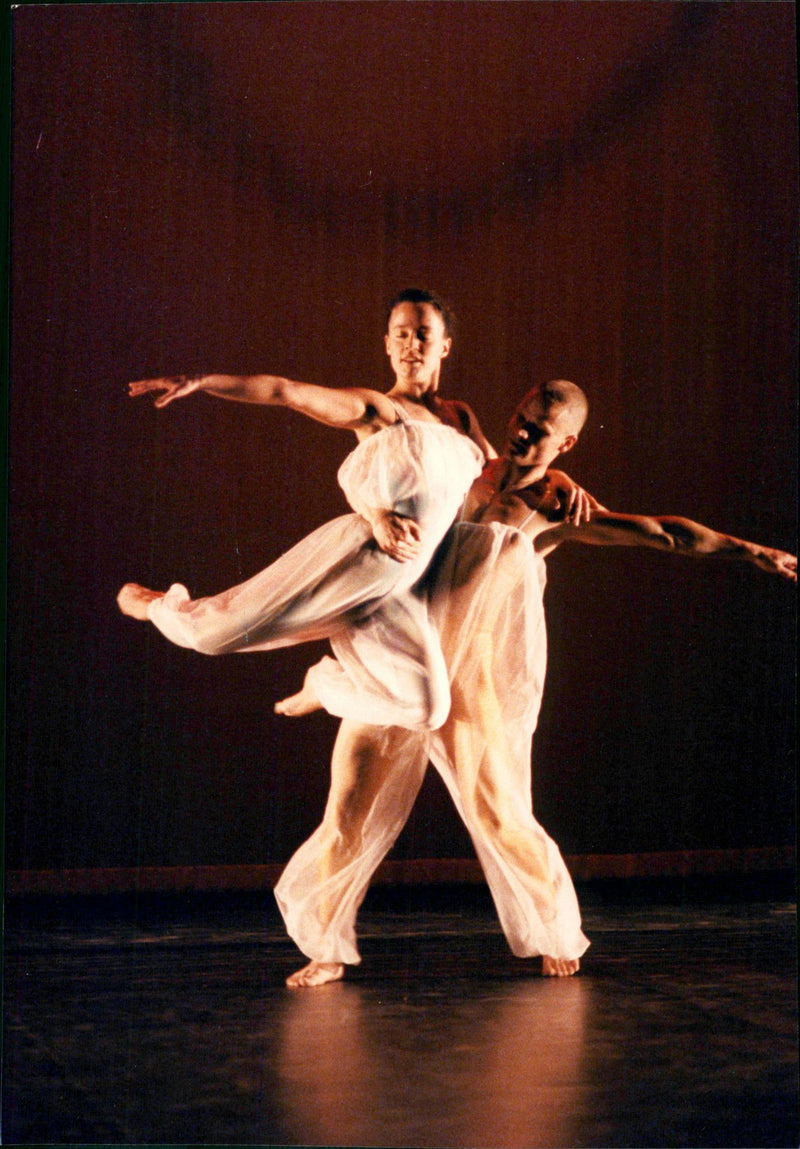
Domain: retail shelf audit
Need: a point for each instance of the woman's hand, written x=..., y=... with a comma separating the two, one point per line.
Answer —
x=574, y=504
x=134, y=600
x=166, y=389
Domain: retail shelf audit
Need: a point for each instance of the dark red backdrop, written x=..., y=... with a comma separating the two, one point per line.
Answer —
x=606, y=192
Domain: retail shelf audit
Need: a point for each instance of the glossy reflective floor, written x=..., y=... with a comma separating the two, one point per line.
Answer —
x=165, y=1020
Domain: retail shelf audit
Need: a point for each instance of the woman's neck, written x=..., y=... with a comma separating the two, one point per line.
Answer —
x=428, y=400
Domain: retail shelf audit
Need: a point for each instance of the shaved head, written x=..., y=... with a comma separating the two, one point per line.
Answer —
x=563, y=401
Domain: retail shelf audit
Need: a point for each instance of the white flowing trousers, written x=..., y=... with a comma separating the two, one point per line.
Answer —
x=390, y=663
x=486, y=600
x=337, y=584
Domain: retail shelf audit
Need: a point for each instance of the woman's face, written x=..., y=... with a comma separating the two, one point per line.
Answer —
x=416, y=343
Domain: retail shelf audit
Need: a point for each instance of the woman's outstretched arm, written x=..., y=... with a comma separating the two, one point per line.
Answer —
x=351, y=408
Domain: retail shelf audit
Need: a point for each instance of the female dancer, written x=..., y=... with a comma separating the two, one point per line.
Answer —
x=416, y=458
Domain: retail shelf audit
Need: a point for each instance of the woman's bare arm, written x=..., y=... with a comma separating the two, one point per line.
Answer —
x=347, y=407
x=462, y=415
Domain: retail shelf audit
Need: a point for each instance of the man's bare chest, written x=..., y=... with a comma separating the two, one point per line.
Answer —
x=494, y=506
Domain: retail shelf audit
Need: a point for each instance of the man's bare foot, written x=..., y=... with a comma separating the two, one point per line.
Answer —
x=134, y=600
x=559, y=967
x=316, y=973
x=304, y=702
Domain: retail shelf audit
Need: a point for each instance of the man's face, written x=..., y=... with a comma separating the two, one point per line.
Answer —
x=539, y=431
x=416, y=343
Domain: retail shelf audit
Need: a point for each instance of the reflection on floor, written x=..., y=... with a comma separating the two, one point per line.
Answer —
x=165, y=1020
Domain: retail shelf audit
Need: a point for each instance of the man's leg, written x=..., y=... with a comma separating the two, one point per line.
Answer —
x=485, y=772
x=376, y=773
x=494, y=640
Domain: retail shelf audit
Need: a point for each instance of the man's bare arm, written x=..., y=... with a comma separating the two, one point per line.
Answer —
x=346, y=407
x=397, y=535
x=667, y=533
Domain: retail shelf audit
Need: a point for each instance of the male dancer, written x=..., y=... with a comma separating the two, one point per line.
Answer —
x=487, y=601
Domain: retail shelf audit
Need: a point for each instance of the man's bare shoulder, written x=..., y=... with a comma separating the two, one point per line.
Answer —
x=492, y=502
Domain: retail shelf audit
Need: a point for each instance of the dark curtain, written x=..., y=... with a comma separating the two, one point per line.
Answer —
x=606, y=193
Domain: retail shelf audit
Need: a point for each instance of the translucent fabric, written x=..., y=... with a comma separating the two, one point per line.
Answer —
x=488, y=604
x=376, y=773
x=337, y=584
x=486, y=598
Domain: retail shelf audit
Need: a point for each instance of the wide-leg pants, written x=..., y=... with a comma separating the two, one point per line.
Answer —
x=334, y=584
x=486, y=600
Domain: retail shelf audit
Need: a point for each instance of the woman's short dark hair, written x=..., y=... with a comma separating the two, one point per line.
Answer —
x=421, y=295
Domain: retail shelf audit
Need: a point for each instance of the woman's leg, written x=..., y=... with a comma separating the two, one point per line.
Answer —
x=306, y=594
x=334, y=584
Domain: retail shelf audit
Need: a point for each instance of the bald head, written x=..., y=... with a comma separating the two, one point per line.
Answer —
x=545, y=425
x=563, y=402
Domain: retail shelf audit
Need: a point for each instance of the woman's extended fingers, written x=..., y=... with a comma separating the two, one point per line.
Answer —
x=582, y=507
x=145, y=386
x=165, y=389
x=402, y=554
x=397, y=536
x=403, y=550
x=134, y=599
x=140, y=386
x=572, y=509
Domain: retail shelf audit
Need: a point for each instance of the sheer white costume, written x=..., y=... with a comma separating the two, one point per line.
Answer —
x=487, y=587
x=338, y=584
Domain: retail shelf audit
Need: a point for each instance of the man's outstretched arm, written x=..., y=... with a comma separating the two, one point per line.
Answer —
x=667, y=533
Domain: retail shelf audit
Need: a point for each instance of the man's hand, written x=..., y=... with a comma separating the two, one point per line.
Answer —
x=171, y=387
x=574, y=505
x=776, y=562
x=396, y=535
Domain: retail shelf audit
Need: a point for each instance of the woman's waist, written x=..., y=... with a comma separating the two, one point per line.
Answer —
x=409, y=468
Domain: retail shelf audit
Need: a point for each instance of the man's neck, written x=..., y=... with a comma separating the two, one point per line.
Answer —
x=512, y=477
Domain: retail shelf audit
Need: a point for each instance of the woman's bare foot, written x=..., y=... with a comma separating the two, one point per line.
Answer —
x=304, y=702
x=134, y=600
x=559, y=967
x=316, y=973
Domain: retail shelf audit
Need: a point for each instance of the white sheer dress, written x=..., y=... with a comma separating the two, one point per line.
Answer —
x=337, y=584
x=486, y=600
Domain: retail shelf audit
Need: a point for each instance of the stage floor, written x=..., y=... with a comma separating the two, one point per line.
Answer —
x=165, y=1020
